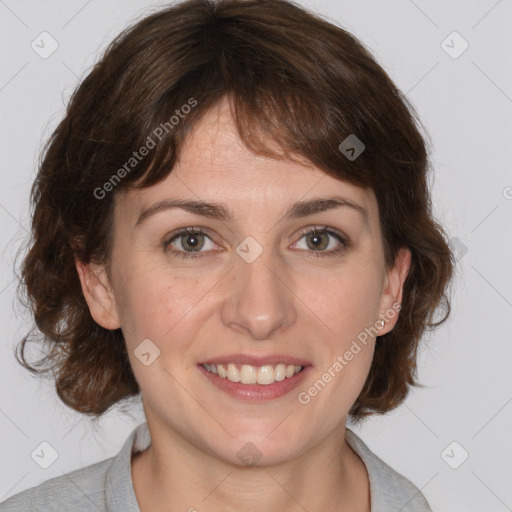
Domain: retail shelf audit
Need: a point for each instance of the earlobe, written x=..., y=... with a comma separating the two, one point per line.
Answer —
x=393, y=291
x=98, y=294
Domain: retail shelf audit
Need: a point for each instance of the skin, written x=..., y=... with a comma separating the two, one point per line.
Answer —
x=284, y=302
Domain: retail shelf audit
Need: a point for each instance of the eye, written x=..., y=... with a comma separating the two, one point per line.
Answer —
x=318, y=239
x=189, y=242
x=185, y=242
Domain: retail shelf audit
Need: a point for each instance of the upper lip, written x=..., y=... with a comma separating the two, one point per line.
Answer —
x=252, y=360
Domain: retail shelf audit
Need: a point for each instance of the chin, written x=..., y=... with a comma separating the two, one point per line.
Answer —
x=258, y=448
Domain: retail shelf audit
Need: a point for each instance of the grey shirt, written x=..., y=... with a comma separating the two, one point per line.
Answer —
x=107, y=486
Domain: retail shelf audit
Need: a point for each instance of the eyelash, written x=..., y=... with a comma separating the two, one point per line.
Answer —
x=344, y=242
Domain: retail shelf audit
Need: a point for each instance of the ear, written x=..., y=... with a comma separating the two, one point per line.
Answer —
x=393, y=290
x=98, y=294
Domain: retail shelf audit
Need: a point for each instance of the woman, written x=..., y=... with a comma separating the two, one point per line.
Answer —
x=233, y=220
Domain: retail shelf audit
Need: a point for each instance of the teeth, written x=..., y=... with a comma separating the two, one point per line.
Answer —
x=233, y=373
x=280, y=372
x=248, y=374
x=266, y=375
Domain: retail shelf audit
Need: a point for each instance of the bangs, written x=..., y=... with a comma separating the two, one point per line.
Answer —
x=284, y=104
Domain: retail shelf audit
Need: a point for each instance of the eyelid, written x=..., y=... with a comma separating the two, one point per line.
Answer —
x=190, y=229
x=325, y=229
x=344, y=242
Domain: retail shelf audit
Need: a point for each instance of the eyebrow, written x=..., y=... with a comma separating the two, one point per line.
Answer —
x=219, y=211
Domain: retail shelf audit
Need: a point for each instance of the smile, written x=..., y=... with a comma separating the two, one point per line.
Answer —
x=267, y=378
x=247, y=374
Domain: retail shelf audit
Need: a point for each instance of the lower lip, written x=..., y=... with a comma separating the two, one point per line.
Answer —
x=256, y=392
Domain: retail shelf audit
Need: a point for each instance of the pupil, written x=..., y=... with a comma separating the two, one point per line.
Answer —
x=192, y=241
x=316, y=241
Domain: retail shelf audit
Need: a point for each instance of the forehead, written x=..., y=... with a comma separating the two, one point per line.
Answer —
x=215, y=165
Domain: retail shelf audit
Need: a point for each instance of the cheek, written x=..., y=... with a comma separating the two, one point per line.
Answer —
x=138, y=298
x=347, y=300
x=160, y=304
x=347, y=304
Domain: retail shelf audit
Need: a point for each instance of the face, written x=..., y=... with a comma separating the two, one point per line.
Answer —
x=254, y=294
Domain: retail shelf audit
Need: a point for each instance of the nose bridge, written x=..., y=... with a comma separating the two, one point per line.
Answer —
x=259, y=300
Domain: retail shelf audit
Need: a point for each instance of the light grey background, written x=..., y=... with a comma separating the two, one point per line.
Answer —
x=465, y=104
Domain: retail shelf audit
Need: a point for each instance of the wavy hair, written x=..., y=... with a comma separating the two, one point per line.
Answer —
x=294, y=79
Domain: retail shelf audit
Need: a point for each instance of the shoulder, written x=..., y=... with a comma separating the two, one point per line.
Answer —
x=102, y=486
x=79, y=490
x=389, y=490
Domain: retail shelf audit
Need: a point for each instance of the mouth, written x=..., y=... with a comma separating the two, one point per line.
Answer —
x=248, y=374
x=255, y=379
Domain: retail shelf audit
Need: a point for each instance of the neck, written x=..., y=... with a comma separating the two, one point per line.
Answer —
x=174, y=475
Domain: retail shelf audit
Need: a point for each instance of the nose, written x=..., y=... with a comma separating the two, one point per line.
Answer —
x=260, y=298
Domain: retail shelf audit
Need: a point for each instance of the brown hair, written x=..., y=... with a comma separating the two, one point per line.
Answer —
x=292, y=77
